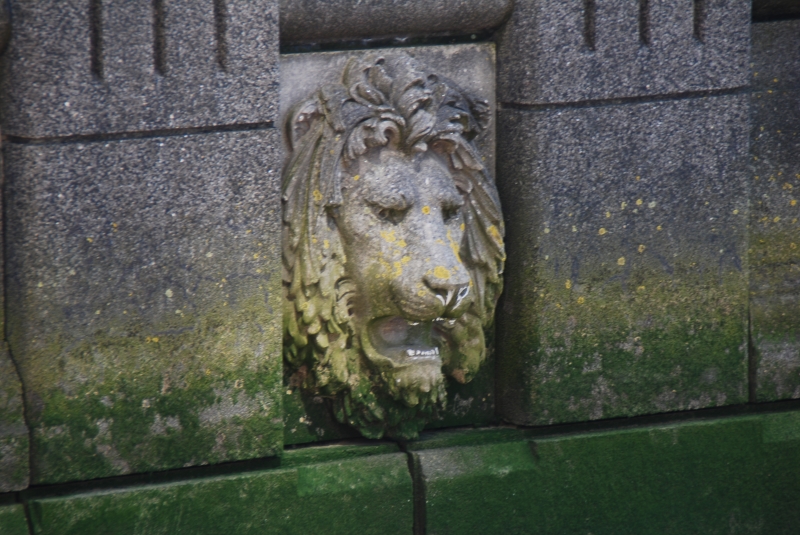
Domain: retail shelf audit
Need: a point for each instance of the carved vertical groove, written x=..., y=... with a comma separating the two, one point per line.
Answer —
x=699, y=19
x=589, y=16
x=96, y=37
x=221, y=32
x=644, y=22
x=159, y=38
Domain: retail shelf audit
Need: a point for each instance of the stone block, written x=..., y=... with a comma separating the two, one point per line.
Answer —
x=77, y=67
x=775, y=212
x=143, y=289
x=309, y=418
x=352, y=494
x=552, y=51
x=312, y=21
x=14, y=452
x=714, y=477
x=12, y=520
x=14, y=444
x=626, y=281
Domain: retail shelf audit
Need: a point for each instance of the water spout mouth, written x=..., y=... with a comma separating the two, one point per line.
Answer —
x=405, y=342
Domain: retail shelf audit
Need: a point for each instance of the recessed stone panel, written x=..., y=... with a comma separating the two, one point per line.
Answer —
x=775, y=216
x=309, y=417
x=554, y=51
x=144, y=284
x=626, y=282
x=79, y=67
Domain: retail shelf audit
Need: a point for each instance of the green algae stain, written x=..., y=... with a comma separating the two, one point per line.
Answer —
x=587, y=350
x=205, y=392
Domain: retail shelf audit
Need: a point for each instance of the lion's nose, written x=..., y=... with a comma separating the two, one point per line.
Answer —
x=453, y=291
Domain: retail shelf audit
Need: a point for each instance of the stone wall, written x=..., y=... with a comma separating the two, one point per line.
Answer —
x=644, y=364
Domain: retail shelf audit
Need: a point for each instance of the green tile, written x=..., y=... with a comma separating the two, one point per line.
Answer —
x=12, y=520
x=355, y=490
x=737, y=475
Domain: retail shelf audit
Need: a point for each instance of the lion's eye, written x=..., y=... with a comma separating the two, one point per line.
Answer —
x=390, y=215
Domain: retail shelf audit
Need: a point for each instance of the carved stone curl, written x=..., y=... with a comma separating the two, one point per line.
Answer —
x=392, y=243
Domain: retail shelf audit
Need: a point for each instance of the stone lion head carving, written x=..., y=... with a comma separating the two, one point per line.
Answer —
x=392, y=243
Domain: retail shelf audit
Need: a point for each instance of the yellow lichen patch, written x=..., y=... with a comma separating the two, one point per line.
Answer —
x=776, y=219
x=356, y=177
x=326, y=244
x=426, y=210
x=581, y=300
x=495, y=234
x=401, y=243
x=441, y=272
x=640, y=289
x=608, y=215
x=90, y=240
x=462, y=227
x=641, y=248
x=623, y=205
x=388, y=235
x=658, y=227
x=639, y=202
x=406, y=259
x=317, y=195
x=736, y=212
x=793, y=202
x=398, y=270
x=568, y=284
x=453, y=245
x=601, y=232
x=621, y=261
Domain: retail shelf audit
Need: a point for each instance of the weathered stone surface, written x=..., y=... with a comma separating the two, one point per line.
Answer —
x=129, y=66
x=14, y=453
x=14, y=444
x=737, y=475
x=775, y=215
x=12, y=520
x=144, y=284
x=340, y=493
x=555, y=51
x=304, y=21
x=626, y=281
x=308, y=418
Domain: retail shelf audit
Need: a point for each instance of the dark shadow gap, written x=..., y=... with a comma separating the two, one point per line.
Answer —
x=644, y=22
x=159, y=38
x=96, y=37
x=699, y=19
x=589, y=23
x=386, y=42
x=221, y=32
x=119, y=136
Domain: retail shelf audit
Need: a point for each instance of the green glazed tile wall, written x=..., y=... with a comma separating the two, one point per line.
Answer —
x=12, y=520
x=331, y=490
x=737, y=475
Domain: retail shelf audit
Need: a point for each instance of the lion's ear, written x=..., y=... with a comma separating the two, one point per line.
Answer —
x=301, y=119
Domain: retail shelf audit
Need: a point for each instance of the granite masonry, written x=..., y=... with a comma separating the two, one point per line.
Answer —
x=775, y=216
x=627, y=243
x=643, y=373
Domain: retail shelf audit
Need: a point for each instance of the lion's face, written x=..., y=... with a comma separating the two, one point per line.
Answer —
x=402, y=226
x=392, y=244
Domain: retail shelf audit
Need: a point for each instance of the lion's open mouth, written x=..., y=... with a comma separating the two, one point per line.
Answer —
x=405, y=342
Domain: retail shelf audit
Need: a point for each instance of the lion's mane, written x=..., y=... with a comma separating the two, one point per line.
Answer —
x=378, y=98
